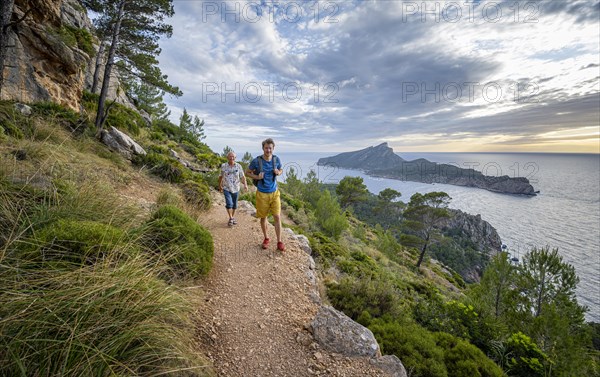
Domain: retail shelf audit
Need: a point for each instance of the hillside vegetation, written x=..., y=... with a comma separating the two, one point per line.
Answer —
x=93, y=273
x=97, y=254
x=520, y=320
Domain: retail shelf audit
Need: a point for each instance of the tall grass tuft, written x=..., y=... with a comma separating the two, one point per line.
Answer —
x=183, y=243
x=100, y=320
x=105, y=308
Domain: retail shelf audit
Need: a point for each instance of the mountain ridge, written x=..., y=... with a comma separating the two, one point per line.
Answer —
x=381, y=161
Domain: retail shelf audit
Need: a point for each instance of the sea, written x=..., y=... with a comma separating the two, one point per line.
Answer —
x=565, y=214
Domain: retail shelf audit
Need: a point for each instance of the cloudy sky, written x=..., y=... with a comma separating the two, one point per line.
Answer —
x=433, y=76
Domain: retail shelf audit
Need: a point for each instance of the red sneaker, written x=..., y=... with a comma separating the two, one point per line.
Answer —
x=265, y=243
x=280, y=246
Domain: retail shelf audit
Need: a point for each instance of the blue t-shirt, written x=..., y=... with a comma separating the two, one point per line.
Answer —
x=268, y=184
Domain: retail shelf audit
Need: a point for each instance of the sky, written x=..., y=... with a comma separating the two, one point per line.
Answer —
x=434, y=76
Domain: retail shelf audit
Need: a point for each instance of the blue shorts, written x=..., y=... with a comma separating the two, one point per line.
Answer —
x=231, y=199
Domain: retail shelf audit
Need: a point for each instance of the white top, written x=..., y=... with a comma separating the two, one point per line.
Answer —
x=231, y=176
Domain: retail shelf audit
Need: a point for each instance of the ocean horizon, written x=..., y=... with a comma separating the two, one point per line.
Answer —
x=564, y=215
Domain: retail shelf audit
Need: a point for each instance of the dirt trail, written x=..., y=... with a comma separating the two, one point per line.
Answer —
x=257, y=307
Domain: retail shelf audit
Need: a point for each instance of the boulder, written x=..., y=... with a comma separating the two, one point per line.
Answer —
x=304, y=243
x=337, y=332
x=121, y=143
x=390, y=364
x=23, y=109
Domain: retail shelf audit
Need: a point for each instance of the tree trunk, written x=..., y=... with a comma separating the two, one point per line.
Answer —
x=538, y=306
x=110, y=61
x=423, y=250
x=6, y=9
x=97, y=69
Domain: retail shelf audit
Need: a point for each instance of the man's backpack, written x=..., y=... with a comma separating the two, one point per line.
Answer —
x=260, y=168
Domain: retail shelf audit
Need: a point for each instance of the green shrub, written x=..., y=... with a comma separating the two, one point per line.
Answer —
x=354, y=296
x=75, y=37
x=157, y=136
x=163, y=166
x=119, y=116
x=456, y=318
x=463, y=359
x=186, y=139
x=13, y=123
x=187, y=246
x=54, y=110
x=212, y=179
x=196, y=194
x=113, y=319
x=159, y=149
x=195, y=148
x=295, y=203
x=329, y=216
x=124, y=118
x=525, y=357
x=325, y=249
x=78, y=242
x=360, y=265
x=415, y=346
x=210, y=160
x=85, y=40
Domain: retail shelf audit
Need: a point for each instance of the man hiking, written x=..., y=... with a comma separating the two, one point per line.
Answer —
x=264, y=170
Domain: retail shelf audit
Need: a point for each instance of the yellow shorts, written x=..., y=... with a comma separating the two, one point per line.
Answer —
x=267, y=203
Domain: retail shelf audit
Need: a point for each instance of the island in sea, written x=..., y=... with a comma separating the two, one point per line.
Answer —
x=381, y=161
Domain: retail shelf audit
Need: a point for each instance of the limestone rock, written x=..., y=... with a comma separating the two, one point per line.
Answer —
x=304, y=244
x=390, y=364
x=336, y=332
x=478, y=231
x=23, y=109
x=302, y=240
x=41, y=66
x=246, y=206
x=121, y=143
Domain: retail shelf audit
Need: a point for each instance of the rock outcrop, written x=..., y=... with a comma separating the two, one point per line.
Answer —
x=482, y=236
x=381, y=161
x=40, y=65
x=339, y=333
x=121, y=143
x=43, y=63
x=480, y=232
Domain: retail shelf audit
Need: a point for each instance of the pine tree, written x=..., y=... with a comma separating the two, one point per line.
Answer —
x=149, y=99
x=351, y=190
x=193, y=125
x=226, y=150
x=133, y=29
x=422, y=216
x=185, y=120
x=329, y=215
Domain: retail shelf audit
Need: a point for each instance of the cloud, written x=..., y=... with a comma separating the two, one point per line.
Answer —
x=343, y=73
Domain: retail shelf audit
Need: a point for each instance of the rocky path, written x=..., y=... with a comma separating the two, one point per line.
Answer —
x=258, y=307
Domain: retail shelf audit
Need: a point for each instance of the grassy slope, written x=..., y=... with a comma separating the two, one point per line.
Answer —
x=66, y=316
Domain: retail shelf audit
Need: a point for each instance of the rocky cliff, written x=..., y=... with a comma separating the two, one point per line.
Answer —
x=480, y=232
x=381, y=161
x=476, y=239
x=51, y=53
